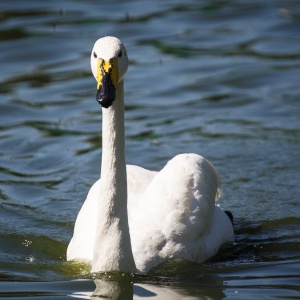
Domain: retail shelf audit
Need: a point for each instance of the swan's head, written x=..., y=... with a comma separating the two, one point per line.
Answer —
x=109, y=63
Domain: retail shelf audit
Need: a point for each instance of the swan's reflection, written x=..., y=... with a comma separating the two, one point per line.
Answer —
x=126, y=290
x=113, y=290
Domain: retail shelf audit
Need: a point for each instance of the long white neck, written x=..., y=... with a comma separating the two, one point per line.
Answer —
x=112, y=250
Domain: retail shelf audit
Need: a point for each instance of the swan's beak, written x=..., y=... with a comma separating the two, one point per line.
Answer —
x=107, y=80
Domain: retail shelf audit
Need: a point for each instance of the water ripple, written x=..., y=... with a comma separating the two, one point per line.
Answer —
x=219, y=78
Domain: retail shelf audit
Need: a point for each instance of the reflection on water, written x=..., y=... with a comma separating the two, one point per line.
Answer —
x=219, y=78
x=113, y=289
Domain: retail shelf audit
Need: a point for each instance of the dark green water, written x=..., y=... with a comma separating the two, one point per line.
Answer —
x=219, y=78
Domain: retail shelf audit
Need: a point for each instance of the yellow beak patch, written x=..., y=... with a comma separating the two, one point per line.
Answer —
x=109, y=67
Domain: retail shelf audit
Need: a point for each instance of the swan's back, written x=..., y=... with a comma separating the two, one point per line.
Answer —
x=174, y=218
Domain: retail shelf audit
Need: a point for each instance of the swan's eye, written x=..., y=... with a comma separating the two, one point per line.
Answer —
x=95, y=55
x=120, y=54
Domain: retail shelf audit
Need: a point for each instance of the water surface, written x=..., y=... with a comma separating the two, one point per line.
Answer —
x=219, y=78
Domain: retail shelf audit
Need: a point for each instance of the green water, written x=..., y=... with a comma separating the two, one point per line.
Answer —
x=218, y=78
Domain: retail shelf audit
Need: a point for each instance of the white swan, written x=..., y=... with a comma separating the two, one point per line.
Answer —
x=134, y=219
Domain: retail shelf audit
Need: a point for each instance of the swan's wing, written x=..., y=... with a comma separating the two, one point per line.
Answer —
x=176, y=213
x=81, y=246
x=138, y=179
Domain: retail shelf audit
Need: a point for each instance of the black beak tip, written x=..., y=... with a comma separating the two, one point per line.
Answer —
x=105, y=99
x=106, y=93
x=104, y=102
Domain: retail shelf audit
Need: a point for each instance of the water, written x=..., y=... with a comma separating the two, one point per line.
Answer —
x=219, y=78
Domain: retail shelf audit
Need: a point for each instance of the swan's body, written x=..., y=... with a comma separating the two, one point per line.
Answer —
x=134, y=219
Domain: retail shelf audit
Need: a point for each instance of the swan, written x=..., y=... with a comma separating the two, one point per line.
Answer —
x=134, y=219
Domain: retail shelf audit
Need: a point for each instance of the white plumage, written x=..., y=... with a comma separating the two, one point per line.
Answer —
x=135, y=224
